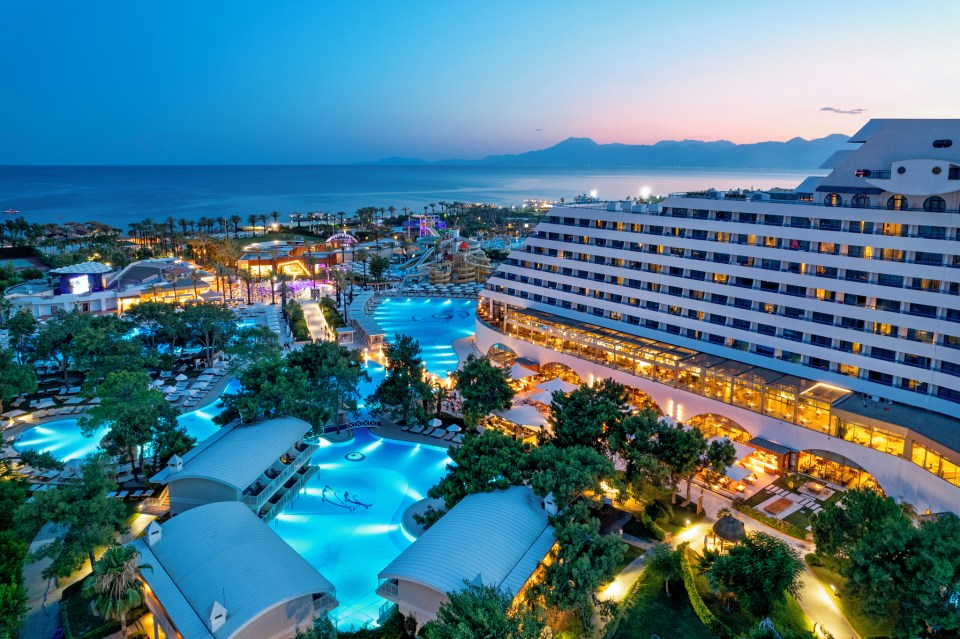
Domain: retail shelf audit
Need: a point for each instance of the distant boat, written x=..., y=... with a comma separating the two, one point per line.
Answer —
x=11, y=212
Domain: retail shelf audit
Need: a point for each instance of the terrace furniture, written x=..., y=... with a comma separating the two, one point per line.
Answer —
x=137, y=495
x=427, y=431
x=438, y=433
x=112, y=494
x=123, y=494
x=417, y=429
x=458, y=438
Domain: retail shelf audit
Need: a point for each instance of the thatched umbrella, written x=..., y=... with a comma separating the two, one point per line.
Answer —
x=728, y=530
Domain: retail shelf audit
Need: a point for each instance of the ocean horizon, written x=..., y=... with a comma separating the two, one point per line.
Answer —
x=117, y=195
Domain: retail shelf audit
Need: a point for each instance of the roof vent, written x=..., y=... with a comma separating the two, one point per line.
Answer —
x=175, y=465
x=477, y=581
x=550, y=505
x=217, y=616
x=154, y=533
x=942, y=144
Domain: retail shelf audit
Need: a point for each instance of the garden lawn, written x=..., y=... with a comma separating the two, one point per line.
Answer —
x=866, y=625
x=650, y=611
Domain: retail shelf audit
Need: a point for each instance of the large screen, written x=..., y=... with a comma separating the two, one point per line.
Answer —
x=80, y=284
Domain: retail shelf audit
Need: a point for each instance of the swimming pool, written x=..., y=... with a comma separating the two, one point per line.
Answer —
x=434, y=323
x=351, y=537
x=64, y=440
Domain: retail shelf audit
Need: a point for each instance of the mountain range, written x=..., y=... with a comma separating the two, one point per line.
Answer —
x=796, y=153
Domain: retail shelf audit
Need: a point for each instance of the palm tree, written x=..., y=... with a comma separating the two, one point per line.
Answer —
x=114, y=585
x=276, y=216
x=247, y=278
x=172, y=278
x=263, y=222
x=360, y=255
x=252, y=220
x=235, y=220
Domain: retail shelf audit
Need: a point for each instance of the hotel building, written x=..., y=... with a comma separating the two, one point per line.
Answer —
x=820, y=324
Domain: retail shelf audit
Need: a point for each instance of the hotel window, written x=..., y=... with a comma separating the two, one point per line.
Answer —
x=793, y=313
x=724, y=216
x=766, y=329
x=833, y=199
x=860, y=201
x=772, y=242
x=885, y=329
x=880, y=378
x=826, y=296
x=934, y=204
x=891, y=230
x=720, y=278
x=722, y=237
x=916, y=335
x=829, y=248
x=897, y=203
x=848, y=370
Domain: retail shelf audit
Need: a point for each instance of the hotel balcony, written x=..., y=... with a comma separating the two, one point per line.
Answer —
x=389, y=589
x=257, y=494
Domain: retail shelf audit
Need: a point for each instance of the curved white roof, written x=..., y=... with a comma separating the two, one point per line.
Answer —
x=238, y=453
x=223, y=553
x=86, y=268
x=501, y=537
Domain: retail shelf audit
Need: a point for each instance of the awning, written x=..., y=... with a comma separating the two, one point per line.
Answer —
x=769, y=446
x=520, y=372
x=526, y=416
x=738, y=473
x=557, y=384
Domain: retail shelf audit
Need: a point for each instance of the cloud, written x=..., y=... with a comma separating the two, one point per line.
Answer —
x=844, y=111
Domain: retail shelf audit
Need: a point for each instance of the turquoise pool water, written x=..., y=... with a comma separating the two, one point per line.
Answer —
x=63, y=439
x=350, y=542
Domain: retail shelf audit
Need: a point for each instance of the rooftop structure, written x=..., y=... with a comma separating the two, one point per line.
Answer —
x=261, y=464
x=792, y=313
x=219, y=572
x=497, y=538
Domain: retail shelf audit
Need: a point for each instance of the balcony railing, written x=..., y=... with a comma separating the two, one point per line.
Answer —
x=389, y=588
x=256, y=501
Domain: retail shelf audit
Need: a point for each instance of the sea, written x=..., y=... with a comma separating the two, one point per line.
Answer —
x=118, y=195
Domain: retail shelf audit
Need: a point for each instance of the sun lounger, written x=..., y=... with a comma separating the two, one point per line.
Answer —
x=123, y=494
x=438, y=433
x=112, y=494
x=137, y=495
x=458, y=438
x=407, y=427
x=417, y=429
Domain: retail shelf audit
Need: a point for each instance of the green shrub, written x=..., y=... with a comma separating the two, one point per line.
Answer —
x=773, y=522
x=659, y=511
x=655, y=531
x=330, y=313
x=298, y=322
x=703, y=613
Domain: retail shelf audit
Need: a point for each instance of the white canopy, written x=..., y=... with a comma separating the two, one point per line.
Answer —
x=433, y=423
x=524, y=415
x=546, y=397
x=520, y=372
x=738, y=473
x=557, y=384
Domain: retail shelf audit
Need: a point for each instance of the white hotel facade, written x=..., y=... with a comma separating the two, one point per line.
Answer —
x=821, y=325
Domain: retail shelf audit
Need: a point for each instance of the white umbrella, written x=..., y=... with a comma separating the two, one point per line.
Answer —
x=519, y=372
x=453, y=428
x=557, y=384
x=433, y=423
x=181, y=377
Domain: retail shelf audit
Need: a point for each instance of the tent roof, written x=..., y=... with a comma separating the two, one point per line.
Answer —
x=237, y=454
x=557, y=384
x=729, y=529
x=519, y=372
x=524, y=415
x=222, y=552
x=500, y=537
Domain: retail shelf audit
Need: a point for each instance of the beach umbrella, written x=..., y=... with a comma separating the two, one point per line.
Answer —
x=433, y=423
x=181, y=377
x=453, y=428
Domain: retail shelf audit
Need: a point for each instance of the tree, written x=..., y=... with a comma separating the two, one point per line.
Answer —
x=583, y=417
x=403, y=388
x=103, y=347
x=21, y=328
x=683, y=452
x=271, y=388
x=483, y=612
x=360, y=255
x=483, y=387
x=15, y=379
x=55, y=337
x=665, y=561
x=250, y=343
x=910, y=573
x=837, y=529
x=584, y=561
x=378, y=266
x=334, y=370
x=209, y=326
x=632, y=440
x=115, y=586
x=759, y=571
x=13, y=607
x=86, y=516
x=131, y=409
x=483, y=463
x=567, y=472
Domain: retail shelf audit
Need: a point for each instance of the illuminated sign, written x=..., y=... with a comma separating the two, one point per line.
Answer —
x=80, y=284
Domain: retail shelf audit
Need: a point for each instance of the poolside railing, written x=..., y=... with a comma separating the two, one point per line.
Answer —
x=256, y=501
x=288, y=496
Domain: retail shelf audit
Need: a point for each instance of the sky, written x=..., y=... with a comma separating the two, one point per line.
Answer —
x=323, y=82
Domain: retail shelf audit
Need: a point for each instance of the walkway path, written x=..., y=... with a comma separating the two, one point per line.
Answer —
x=315, y=322
x=44, y=595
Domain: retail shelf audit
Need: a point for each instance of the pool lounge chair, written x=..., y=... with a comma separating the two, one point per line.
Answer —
x=417, y=429
x=123, y=494
x=406, y=427
x=137, y=495
x=111, y=494
x=438, y=433
x=458, y=438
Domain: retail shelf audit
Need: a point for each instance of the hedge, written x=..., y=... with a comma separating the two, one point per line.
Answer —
x=703, y=613
x=652, y=527
x=298, y=323
x=777, y=524
x=331, y=314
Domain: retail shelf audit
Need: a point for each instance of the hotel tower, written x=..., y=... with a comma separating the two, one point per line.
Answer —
x=820, y=325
